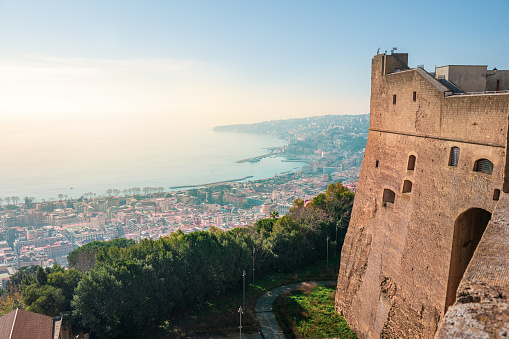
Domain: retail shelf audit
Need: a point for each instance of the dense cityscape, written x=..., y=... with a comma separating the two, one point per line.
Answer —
x=43, y=233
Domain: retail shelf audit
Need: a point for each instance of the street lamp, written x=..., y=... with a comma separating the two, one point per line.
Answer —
x=327, y=253
x=337, y=229
x=253, y=263
x=243, y=287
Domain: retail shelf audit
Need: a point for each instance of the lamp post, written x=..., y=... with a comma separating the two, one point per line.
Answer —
x=336, y=247
x=327, y=253
x=243, y=288
x=253, y=263
x=337, y=229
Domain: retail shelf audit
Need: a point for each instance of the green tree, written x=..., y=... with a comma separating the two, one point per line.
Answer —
x=210, y=198
x=119, y=300
x=40, y=277
x=28, y=202
x=45, y=299
x=66, y=281
x=264, y=226
x=22, y=274
x=11, y=300
x=83, y=258
x=48, y=291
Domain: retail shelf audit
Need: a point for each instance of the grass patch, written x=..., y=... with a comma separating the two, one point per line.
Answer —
x=220, y=315
x=309, y=313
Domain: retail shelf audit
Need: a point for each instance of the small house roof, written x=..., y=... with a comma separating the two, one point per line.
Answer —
x=20, y=324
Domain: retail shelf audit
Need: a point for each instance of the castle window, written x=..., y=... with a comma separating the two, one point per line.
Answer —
x=415, y=96
x=377, y=163
x=394, y=99
x=389, y=196
x=483, y=166
x=411, y=163
x=407, y=186
x=454, y=157
x=496, y=194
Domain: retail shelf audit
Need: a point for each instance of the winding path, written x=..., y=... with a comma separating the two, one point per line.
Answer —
x=263, y=309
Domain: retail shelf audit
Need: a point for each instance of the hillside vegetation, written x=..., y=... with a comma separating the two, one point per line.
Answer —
x=130, y=290
x=309, y=313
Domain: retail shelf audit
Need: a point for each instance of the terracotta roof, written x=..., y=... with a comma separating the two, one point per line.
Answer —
x=21, y=324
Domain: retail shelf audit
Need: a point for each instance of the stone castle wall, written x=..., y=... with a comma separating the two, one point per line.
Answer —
x=482, y=306
x=395, y=264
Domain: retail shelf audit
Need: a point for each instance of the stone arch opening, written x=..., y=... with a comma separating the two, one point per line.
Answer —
x=388, y=196
x=468, y=230
x=407, y=186
x=411, y=163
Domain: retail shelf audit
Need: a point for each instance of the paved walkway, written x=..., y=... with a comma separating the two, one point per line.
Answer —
x=270, y=327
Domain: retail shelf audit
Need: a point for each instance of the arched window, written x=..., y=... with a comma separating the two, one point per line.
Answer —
x=407, y=186
x=389, y=196
x=411, y=163
x=454, y=157
x=484, y=166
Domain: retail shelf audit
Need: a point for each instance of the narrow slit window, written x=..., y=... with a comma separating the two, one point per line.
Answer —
x=454, y=157
x=411, y=163
x=377, y=163
x=394, y=99
x=483, y=166
x=389, y=196
x=496, y=194
x=414, y=96
x=407, y=186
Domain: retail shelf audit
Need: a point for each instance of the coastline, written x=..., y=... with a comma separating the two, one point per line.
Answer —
x=252, y=159
x=123, y=172
x=210, y=183
x=186, y=187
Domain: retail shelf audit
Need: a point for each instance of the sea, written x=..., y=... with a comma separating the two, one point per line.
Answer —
x=44, y=163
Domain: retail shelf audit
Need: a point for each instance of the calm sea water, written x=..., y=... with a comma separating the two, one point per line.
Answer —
x=43, y=163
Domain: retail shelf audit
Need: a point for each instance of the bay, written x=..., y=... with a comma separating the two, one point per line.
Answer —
x=43, y=163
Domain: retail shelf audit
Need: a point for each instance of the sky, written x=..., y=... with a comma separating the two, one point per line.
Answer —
x=150, y=63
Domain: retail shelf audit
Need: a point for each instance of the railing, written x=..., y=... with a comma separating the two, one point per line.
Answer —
x=485, y=92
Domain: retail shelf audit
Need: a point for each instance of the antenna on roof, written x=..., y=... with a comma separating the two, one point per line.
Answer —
x=378, y=51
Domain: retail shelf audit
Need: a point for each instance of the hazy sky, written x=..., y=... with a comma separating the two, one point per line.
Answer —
x=219, y=62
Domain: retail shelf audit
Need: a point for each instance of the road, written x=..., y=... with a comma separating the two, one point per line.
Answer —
x=270, y=327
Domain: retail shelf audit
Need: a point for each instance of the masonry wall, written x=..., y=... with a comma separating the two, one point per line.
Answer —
x=396, y=257
x=482, y=306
